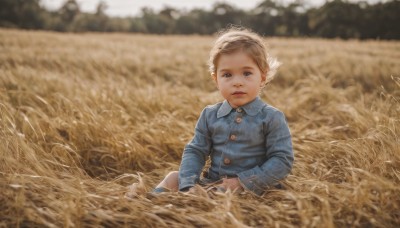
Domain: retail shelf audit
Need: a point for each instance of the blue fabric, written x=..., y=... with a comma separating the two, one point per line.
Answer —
x=160, y=190
x=260, y=154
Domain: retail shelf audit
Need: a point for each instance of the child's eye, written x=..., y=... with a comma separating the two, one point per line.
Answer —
x=247, y=73
x=226, y=75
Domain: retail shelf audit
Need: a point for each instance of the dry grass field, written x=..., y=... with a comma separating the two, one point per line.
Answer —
x=82, y=116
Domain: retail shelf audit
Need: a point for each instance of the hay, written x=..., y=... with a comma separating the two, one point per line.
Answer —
x=84, y=116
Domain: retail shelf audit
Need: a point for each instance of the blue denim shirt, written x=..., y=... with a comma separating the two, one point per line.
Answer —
x=252, y=142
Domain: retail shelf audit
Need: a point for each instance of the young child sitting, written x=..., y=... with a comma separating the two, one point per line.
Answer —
x=248, y=141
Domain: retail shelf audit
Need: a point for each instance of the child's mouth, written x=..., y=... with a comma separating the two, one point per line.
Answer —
x=238, y=93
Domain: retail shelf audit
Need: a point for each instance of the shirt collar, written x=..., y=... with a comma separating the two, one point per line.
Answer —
x=251, y=108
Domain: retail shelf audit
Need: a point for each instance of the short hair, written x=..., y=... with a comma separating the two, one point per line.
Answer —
x=234, y=39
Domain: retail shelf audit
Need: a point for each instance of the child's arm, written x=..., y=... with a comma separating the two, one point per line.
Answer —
x=195, y=154
x=279, y=154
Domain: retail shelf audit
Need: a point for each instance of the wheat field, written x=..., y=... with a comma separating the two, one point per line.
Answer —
x=82, y=116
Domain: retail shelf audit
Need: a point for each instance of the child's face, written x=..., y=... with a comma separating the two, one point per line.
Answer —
x=238, y=78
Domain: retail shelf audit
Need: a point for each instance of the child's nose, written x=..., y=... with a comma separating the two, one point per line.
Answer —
x=237, y=81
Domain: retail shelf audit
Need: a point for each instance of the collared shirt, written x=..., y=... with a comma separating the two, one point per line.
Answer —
x=252, y=142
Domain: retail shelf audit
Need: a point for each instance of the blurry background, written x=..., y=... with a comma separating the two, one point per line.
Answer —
x=369, y=19
x=132, y=8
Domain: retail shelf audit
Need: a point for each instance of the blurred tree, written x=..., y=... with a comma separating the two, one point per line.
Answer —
x=68, y=11
x=26, y=14
x=196, y=21
x=265, y=17
x=224, y=14
x=169, y=13
x=100, y=20
x=336, y=19
x=101, y=8
x=382, y=20
x=293, y=19
x=187, y=24
x=157, y=23
x=137, y=25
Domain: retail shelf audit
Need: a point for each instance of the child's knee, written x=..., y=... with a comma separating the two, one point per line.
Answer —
x=170, y=181
x=172, y=175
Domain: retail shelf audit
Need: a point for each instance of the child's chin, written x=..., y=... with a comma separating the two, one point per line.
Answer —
x=237, y=104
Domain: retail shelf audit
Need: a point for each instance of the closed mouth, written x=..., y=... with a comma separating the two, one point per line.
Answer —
x=238, y=93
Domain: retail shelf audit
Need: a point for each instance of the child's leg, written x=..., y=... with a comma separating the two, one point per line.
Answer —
x=170, y=182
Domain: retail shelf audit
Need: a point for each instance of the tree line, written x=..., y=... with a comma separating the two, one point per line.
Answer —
x=334, y=19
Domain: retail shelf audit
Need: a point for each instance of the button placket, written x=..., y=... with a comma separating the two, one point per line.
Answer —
x=234, y=120
x=239, y=117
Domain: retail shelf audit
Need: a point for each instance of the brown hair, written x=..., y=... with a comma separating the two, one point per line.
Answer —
x=241, y=39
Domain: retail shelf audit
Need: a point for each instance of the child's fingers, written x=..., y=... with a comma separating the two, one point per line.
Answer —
x=217, y=188
x=232, y=184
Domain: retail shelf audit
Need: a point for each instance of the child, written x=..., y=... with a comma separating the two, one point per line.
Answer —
x=248, y=141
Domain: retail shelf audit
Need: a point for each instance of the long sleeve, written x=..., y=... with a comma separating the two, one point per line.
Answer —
x=195, y=154
x=279, y=153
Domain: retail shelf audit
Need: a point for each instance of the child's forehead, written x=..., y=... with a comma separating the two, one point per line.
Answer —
x=237, y=53
x=238, y=59
x=241, y=54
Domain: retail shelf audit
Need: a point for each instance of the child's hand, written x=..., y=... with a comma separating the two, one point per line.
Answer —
x=192, y=190
x=233, y=184
x=197, y=190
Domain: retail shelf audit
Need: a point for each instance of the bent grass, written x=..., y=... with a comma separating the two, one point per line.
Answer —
x=82, y=116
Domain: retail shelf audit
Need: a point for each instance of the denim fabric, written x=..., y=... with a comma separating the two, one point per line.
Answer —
x=259, y=152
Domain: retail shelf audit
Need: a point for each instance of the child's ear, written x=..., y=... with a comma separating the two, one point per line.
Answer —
x=214, y=77
x=263, y=78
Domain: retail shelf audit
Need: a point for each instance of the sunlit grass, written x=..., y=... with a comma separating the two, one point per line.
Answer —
x=82, y=116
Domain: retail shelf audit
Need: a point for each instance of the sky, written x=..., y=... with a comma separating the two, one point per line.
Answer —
x=132, y=7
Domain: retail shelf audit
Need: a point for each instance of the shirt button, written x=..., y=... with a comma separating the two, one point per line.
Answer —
x=239, y=110
x=238, y=120
x=233, y=137
x=227, y=161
